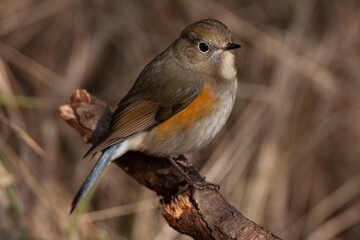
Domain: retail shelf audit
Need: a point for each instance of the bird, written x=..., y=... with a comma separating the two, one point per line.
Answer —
x=178, y=103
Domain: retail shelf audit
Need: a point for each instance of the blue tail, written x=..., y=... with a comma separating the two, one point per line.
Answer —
x=95, y=173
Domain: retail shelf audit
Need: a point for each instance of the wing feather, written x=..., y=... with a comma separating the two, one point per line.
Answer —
x=141, y=115
x=152, y=100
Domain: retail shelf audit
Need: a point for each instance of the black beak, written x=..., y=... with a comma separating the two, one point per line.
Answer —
x=231, y=46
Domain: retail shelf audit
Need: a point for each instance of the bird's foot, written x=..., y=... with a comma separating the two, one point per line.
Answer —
x=199, y=185
x=205, y=185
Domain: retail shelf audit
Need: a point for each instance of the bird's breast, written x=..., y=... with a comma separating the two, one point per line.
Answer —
x=193, y=127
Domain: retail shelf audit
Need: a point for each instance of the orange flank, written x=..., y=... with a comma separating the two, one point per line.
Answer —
x=202, y=105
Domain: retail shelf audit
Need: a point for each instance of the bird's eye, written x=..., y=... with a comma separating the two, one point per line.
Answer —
x=203, y=47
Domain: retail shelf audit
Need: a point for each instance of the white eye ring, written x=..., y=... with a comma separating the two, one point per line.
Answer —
x=203, y=47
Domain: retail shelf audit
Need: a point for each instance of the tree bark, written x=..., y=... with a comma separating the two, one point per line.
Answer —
x=201, y=213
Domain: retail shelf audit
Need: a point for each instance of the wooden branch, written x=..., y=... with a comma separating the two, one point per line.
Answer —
x=199, y=213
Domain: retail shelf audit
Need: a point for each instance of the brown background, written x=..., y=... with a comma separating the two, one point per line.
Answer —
x=288, y=158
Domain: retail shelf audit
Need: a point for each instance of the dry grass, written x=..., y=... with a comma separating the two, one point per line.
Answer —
x=289, y=157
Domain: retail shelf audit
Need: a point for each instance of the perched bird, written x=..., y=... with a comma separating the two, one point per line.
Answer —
x=178, y=103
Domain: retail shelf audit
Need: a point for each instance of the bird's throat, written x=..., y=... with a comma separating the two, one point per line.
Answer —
x=227, y=67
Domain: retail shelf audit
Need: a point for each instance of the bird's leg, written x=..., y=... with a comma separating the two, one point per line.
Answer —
x=184, y=161
x=187, y=178
x=199, y=184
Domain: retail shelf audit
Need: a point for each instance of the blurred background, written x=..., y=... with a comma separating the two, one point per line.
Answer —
x=288, y=157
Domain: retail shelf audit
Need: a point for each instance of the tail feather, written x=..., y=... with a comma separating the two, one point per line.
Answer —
x=104, y=160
